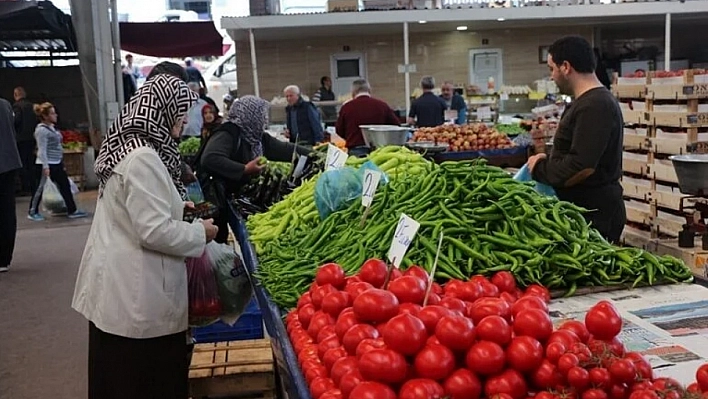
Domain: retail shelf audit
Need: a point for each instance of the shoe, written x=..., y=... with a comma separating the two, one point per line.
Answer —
x=4, y=269
x=77, y=214
x=36, y=217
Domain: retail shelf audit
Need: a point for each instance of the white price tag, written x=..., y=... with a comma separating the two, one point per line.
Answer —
x=371, y=183
x=402, y=238
x=336, y=158
x=451, y=115
x=300, y=166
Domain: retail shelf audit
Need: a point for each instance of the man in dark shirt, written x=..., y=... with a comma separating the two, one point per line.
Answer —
x=303, y=120
x=325, y=93
x=428, y=110
x=586, y=162
x=362, y=110
x=25, y=122
x=193, y=73
x=454, y=102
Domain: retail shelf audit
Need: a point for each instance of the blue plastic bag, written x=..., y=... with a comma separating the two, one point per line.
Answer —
x=372, y=166
x=336, y=189
x=524, y=174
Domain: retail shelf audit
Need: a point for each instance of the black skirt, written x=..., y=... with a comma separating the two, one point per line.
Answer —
x=127, y=368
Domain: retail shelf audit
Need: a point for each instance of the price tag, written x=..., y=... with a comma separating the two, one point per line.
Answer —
x=402, y=238
x=371, y=183
x=300, y=166
x=336, y=158
x=451, y=115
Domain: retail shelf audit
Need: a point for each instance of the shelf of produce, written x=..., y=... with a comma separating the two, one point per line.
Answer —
x=289, y=372
x=696, y=258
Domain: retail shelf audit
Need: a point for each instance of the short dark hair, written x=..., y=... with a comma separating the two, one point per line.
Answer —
x=323, y=79
x=576, y=50
x=168, y=68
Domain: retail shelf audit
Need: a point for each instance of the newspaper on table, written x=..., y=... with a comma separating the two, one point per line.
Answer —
x=667, y=324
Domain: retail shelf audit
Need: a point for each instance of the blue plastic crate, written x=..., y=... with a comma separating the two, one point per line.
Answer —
x=248, y=326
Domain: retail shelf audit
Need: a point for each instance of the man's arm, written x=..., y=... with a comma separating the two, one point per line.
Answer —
x=315, y=124
x=591, y=134
x=412, y=114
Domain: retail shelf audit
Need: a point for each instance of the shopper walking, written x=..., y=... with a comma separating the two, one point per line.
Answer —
x=25, y=123
x=428, y=110
x=132, y=281
x=9, y=165
x=50, y=155
x=586, y=162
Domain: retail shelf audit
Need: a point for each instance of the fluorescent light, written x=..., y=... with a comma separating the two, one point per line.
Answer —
x=500, y=19
x=462, y=27
x=422, y=22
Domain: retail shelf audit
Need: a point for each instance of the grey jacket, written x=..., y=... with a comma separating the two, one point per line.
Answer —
x=9, y=157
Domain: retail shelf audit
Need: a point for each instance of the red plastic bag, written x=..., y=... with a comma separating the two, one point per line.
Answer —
x=204, y=302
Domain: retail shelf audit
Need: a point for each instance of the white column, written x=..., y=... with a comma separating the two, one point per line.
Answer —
x=406, y=62
x=115, y=32
x=254, y=63
x=667, y=43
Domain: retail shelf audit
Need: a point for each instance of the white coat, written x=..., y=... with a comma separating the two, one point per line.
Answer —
x=132, y=280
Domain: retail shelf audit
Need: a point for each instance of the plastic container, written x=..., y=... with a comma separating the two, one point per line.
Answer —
x=248, y=326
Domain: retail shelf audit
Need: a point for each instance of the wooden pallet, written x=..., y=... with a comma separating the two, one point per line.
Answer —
x=696, y=258
x=632, y=237
x=237, y=369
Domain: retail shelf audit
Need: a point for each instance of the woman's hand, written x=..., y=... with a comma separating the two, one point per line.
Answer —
x=210, y=229
x=254, y=167
x=189, y=204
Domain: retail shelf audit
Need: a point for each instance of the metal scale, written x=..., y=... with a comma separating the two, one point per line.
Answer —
x=692, y=172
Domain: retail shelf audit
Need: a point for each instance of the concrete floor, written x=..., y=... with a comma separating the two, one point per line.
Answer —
x=43, y=342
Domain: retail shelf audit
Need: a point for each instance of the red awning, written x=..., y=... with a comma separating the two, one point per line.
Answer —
x=171, y=39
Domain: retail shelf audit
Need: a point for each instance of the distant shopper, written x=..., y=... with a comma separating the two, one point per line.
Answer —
x=9, y=164
x=133, y=70
x=193, y=127
x=303, y=119
x=362, y=110
x=168, y=68
x=209, y=100
x=325, y=93
x=25, y=123
x=428, y=110
x=50, y=155
x=129, y=85
x=454, y=102
x=210, y=120
x=193, y=73
x=132, y=281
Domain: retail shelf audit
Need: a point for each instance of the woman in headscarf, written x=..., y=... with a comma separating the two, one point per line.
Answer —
x=132, y=281
x=211, y=119
x=231, y=155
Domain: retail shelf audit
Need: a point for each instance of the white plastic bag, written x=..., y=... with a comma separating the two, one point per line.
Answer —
x=52, y=201
x=74, y=188
x=232, y=280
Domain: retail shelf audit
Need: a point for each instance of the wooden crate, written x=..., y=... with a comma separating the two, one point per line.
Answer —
x=662, y=172
x=237, y=369
x=672, y=146
x=665, y=199
x=696, y=258
x=668, y=224
x=634, y=190
x=635, y=142
x=634, y=165
x=632, y=117
x=677, y=92
x=629, y=91
x=633, y=237
x=676, y=119
x=638, y=212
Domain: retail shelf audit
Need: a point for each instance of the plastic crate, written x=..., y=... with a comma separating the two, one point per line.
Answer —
x=248, y=326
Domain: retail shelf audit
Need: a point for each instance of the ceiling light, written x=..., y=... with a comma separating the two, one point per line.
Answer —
x=422, y=22
x=462, y=27
x=500, y=19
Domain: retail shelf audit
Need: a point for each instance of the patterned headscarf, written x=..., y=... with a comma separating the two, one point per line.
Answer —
x=147, y=121
x=250, y=113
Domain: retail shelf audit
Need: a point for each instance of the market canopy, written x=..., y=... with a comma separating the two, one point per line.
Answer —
x=171, y=39
x=35, y=26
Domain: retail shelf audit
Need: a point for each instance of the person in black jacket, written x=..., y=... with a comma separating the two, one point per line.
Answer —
x=129, y=85
x=303, y=119
x=232, y=154
x=25, y=122
x=9, y=164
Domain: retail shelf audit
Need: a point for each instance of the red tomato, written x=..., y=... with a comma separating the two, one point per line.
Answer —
x=300, y=341
x=319, y=293
x=372, y=390
x=327, y=344
x=567, y=362
x=600, y=377
x=304, y=299
x=524, y=354
x=408, y=289
x=554, y=351
x=375, y=306
x=433, y=340
x=314, y=372
x=567, y=337
x=346, y=320
x=453, y=304
x=613, y=346
x=383, y=365
x=341, y=367
x=485, y=358
x=510, y=382
x=702, y=377
x=410, y=308
x=456, y=332
x=319, y=320
x=617, y=391
x=433, y=299
x=539, y=291
x=357, y=288
x=369, y=344
x=332, y=394
x=469, y=291
x=547, y=376
x=463, y=384
x=405, y=334
x=644, y=370
x=395, y=274
x=545, y=395
x=581, y=351
x=305, y=313
x=431, y=315
x=421, y=388
x=325, y=332
x=320, y=385
x=352, y=279
x=578, y=378
x=332, y=355
x=349, y=381
x=694, y=388
x=623, y=371
x=356, y=334
x=667, y=384
x=603, y=321
x=436, y=362
x=509, y=298
x=505, y=281
x=452, y=286
x=484, y=307
x=334, y=302
x=578, y=327
x=528, y=302
x=437, y=289
x=489, y=290
x=374, y=271
x=644, y=394
x=417, y=271
x=331, y=273
x=494, y=329
x=534, y=323
x=594, y=394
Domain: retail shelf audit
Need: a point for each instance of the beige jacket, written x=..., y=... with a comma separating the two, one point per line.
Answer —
x=132, y=280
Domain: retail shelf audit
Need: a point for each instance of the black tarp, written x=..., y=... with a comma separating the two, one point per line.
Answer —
x=171, y=39
x=35, y=26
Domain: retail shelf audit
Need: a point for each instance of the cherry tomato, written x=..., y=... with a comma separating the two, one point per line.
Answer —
x=383, y=365
x=356, y=334
x=567, y=362
x=421, y=388
x=457, y=332
x=417, y=271
x=623, y=371
x=431, y=315
x=524, y=354
x=644, y=394
x=600, y=377
x=618, y=391
x=505, y=281
x=331, y=273
x=594, y=394
x=463, y=384
x=554, y=351
x=603, y=321
x=694, y=388
x=485, y=358
x=334, y=302
x=702, y=377
x=644, y=370
x=578, y=327
x=484, y=307
x=374, y=271
x=578, y=378
x=547, y=376
x=404, y=333
x=435, y=362
x=319, y=293
x=534, y=323
x=320, y=385
x=494, y=329
x=509, y=382
x=341, y=367
x=567, y=337
x=372, y=390
x=408, y=289
x=375, y=305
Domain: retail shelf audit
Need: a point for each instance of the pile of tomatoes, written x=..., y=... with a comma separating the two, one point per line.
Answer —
x=484, y=338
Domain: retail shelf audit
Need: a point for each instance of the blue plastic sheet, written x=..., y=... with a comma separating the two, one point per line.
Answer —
x=336, y=189
x=524, y=174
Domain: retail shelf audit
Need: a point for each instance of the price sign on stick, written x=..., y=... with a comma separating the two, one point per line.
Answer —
x=371, y=183
x=402, y=238
x=300, y=166
x=432, y=271
x=336, y=158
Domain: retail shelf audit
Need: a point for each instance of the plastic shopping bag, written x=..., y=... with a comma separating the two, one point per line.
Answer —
x=52, y=201
x=74, y=188
x=194, y=192
x=204, y=303
x=336, y=189
x=368, y=165
x=233, y=283
x=524, y=174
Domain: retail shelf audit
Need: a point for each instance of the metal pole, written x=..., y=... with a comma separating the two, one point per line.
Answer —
x=406, y=62
x=115, y=31
x=667, y=43
x=254, y=63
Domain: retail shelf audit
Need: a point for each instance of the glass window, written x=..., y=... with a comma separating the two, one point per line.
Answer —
x=348, y=68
